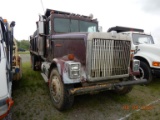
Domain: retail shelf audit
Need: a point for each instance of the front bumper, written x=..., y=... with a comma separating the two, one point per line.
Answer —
x=3, y=111
x=156, y=72
x=5, y=106
x=104, y=87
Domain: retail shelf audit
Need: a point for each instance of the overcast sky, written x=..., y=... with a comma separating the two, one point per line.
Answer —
x=132, y=13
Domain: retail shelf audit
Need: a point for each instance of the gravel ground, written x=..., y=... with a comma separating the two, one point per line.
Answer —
x=25, y=57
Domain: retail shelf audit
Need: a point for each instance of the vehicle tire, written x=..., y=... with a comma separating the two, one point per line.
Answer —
x=123, y=90
x=33, y=62
x=9, y=116
x=145, y=72
x=59, y=92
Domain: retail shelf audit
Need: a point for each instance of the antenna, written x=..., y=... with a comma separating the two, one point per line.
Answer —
x=42, y=5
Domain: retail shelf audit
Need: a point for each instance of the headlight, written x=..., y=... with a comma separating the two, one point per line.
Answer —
x=136, y=64
x=74, y=70
x=74, y=66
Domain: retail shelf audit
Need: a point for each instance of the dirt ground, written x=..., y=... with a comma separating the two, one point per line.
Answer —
x=32, y=102
x=25, y=57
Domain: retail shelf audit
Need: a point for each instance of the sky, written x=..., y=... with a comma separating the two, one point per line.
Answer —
x=143, y=14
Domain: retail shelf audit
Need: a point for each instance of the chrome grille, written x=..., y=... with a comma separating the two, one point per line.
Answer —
x=109, y=57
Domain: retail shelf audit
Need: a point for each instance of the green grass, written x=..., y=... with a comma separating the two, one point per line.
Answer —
x=32, y=101
x=30, y=79
x=26, y=52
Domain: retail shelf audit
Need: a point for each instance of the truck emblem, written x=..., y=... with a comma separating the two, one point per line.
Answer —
x=58, y=45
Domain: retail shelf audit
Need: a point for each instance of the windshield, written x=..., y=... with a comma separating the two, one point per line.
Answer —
x=142, y=39
x=70, y=25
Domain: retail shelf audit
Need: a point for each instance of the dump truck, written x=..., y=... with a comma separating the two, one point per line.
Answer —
x=146, y=51
x=9, y=67
x=75, y=58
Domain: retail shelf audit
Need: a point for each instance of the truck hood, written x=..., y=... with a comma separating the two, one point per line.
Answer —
x=151, y=52
x=77, y=35
x=149, y=47
x=77, y=43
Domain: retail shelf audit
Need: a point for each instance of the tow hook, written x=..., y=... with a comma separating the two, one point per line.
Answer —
x=118, y=86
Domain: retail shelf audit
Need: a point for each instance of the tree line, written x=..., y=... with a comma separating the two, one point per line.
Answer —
x=23, y=44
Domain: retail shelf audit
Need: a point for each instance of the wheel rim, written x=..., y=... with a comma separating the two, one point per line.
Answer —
x=55, y=89
x=141, y=76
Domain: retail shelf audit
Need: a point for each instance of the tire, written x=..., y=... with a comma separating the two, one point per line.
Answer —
x=33, y=62
x=123, y=90
x=145, y=72
x=59, y=92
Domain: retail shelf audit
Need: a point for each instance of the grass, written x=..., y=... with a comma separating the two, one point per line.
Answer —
x=26, y=52
x=32, y=102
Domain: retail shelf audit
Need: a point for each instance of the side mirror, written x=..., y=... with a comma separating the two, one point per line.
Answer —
x=12, y=24
x=100, y=28
x=136, y=49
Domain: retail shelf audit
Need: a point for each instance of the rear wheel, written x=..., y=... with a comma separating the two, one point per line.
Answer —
x=145, y=72
x=59, y=92
x=33, y=62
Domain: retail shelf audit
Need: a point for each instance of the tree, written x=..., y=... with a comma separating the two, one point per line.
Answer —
x=23, y=44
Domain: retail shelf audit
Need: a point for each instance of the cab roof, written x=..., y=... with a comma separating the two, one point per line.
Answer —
x=48, y=11
x=119, y=29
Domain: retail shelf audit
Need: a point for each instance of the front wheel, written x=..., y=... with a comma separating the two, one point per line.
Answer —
x=59, y=92
x=145, y=72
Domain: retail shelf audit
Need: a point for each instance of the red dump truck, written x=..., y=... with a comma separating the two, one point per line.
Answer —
x=75, y=58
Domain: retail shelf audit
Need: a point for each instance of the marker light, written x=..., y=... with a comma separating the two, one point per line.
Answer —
x=154, y=63
x=5, y=20
x=70, y=56
x=132, y=54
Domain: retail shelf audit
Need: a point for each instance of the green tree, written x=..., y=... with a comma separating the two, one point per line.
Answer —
x=23, y=44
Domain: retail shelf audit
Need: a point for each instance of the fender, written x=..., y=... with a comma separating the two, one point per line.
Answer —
x=149, y=52
x=62, y=65
x=59, y=64
x=148, y=57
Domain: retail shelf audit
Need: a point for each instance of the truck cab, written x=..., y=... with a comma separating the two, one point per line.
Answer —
x=75, y=58
x=146, y=51
x=5, y=70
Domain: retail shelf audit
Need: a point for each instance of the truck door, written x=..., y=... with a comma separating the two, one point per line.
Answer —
x=3, y=80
